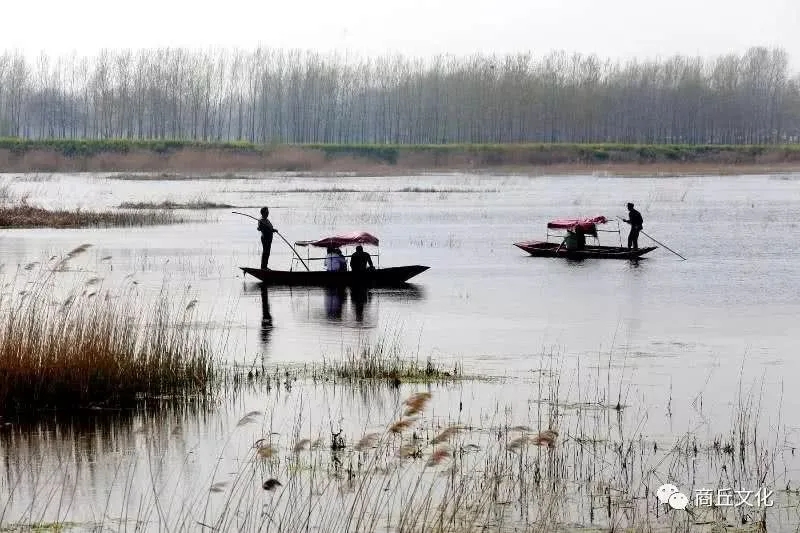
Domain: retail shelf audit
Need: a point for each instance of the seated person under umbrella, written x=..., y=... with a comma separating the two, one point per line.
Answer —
x=360, y=259
x=335, y=261
x=575, y=239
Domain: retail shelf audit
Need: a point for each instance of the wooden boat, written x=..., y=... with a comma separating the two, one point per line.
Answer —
x=374, y=277
x=584, y=226
x=554, y=249
x=379, y=277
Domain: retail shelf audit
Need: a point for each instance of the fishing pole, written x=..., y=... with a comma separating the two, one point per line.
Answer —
x=279, y=235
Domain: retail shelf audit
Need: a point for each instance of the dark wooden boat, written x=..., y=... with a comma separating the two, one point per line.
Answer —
x=374, y=277
x=554, y=249
x=379, y=277
x=572, y=227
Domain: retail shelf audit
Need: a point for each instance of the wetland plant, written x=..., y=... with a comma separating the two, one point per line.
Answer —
x=22, y=215
x=169, y=204
x=573, y=466
x=95, y=351
x=384, y=360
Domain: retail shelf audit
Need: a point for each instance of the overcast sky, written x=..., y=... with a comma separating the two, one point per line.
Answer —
x=609, y=28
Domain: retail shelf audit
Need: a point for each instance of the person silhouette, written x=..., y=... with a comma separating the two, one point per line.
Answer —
x=266, y=229
x=637, y=223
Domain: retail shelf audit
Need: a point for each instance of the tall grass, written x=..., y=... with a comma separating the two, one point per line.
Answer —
x=26, y=216
x=385, y=360
x=169, y=204
x=95, y=351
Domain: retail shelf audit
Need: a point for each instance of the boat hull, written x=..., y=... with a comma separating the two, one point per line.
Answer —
x=553, y=249
x=379, y=277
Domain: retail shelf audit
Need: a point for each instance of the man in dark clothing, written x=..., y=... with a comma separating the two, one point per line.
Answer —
x=266, y=229
x=360, y=259
x=636, y=222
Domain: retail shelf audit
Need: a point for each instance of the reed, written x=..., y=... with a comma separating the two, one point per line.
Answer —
x=93, y=351
x=26, y=216
x=384, y=360
x=168, y=204
x=573, y=467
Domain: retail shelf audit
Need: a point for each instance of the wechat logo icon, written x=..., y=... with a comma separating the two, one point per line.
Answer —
x=670, y=495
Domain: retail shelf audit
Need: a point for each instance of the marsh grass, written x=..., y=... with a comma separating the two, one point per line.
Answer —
x=26, y=216
x=385, y=361
x=415, y=470
x=565, y=471
x=168, y=204
x=94, y=351
x=40, y=527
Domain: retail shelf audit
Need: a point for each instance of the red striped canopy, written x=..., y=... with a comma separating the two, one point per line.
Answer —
x=346, y=239
x=587, y=225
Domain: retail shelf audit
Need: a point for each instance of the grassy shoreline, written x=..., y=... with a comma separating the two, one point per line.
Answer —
x=20, y=155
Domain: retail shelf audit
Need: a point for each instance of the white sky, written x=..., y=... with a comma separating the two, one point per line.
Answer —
x=609, y=28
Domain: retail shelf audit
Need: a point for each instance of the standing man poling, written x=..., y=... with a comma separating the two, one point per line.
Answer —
x=266, y=229
x=636, y=222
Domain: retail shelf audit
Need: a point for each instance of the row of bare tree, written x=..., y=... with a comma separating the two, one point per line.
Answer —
x=275, y=96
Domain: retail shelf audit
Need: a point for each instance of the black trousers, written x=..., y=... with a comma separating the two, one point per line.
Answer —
x=633, y=237
x=266, y=245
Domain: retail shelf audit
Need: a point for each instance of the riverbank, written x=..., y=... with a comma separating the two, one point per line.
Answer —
x=18, y=155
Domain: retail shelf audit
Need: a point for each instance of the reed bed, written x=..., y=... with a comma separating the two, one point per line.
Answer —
x=570, y=469
x=26, y=216
x=384, y=361
x=573, y=466
x=168, y=204
x=93, y=351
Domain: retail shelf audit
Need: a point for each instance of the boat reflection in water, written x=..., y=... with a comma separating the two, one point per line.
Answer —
x=360, y=298
x=334, y=302
x=362, y=309
x=356, y=307
x=266, y=316
x=335, y=298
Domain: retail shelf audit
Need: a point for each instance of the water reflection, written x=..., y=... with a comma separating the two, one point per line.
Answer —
x=88, y=436
x=266, y=316
x=356, y=307
x=334, y=302
x=360, y=297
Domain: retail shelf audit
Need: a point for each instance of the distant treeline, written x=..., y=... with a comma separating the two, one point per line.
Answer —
x=274, y=96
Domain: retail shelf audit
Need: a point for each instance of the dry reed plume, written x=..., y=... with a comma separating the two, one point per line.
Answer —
x=416, y=403
x=446, y=434
x=266, y=451
x=367, y=441
x=401, y=425
x=439, y=455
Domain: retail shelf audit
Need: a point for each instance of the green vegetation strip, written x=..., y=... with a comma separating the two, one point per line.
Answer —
x=543, y=153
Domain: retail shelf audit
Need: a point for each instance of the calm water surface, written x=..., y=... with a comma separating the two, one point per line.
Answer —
x=678, y=342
